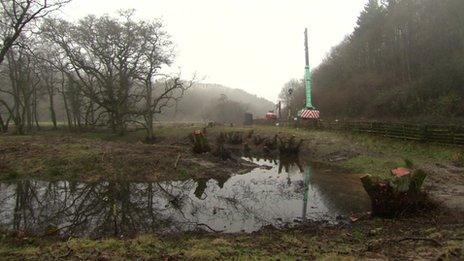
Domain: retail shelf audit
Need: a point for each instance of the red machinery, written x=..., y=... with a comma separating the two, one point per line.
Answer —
x=271, y=116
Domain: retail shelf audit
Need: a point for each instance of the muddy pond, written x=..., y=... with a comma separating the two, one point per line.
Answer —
x=278, y=194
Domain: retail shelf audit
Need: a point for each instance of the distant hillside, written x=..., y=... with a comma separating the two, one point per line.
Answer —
x=198, y=101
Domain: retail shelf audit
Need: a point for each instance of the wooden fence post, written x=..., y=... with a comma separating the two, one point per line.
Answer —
x=449, y=134
x=424, y=133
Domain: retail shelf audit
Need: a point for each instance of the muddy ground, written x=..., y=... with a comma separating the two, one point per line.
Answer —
x=433, y=235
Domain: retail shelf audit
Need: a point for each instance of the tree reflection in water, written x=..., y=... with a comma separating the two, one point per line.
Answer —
x=273, y=195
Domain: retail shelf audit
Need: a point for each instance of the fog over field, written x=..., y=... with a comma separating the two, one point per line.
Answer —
x=251, y=45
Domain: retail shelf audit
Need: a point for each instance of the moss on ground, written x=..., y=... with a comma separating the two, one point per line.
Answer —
x=428, y=237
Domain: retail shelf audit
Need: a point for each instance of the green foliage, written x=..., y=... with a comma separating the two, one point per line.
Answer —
x=377, y=166
x=405, y=58
x=293, y=96
x=184, y=172
x=408, y=163
x=12, y=174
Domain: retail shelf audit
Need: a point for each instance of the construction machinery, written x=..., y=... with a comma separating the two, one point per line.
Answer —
x=309, y=113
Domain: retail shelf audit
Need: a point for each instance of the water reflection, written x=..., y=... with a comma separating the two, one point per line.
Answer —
x=282, y=192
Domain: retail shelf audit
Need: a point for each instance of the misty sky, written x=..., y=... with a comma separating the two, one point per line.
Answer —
x=255, y=45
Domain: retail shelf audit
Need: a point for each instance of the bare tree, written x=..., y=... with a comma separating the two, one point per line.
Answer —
x=158, y=96
x=159, y=90
x=116, y=64
x=6, y=113
x=4, y=122
x=293, y=96
x=16, y=15
x=22, y=88
x=105, y=57
x=49, y=80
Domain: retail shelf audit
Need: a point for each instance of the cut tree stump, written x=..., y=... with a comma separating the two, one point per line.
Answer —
x=397, y=196
x=200, y=143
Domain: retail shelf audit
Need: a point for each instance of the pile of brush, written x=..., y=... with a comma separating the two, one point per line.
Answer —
x=286, y=146
x=271, y=144
x=249, y=134
x=222, y=152
x=234, y=138
x=289, y=147
x=258, y=140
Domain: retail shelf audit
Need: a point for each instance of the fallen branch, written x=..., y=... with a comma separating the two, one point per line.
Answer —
x=210, y=228
x=70, y=250
x=435, y=242
x=176, y=163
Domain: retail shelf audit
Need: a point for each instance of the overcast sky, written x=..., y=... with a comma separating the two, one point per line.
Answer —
x=255, y=45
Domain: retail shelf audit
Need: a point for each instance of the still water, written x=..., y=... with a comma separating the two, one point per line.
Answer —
x=277, y=194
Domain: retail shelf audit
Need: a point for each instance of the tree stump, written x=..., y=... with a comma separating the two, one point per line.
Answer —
x=200, y=143
x=397, y=196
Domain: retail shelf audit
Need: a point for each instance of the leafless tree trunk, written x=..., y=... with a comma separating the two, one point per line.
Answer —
x=48, y=76
x=65, y=100
x=35, y=111
x=158, y=96
x=5, y=123
x=16, y=15
x=2, y=124
x=24, y=82
x=17, y=116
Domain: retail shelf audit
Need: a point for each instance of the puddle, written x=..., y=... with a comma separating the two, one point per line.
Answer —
x=275, y=194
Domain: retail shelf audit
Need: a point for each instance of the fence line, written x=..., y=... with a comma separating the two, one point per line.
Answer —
x=447, y=134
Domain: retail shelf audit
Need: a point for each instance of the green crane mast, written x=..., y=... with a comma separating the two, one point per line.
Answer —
x=309, y=101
